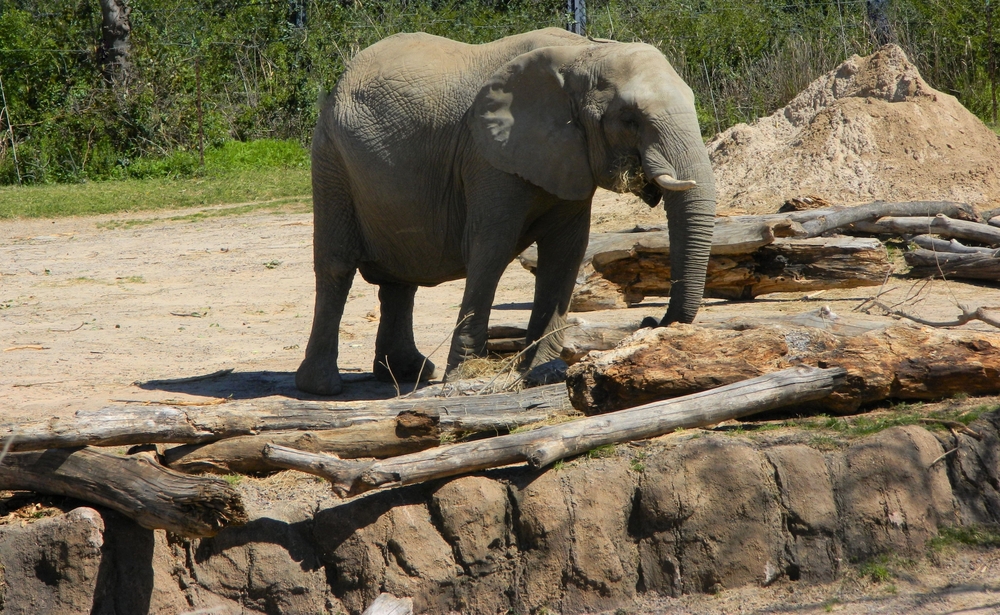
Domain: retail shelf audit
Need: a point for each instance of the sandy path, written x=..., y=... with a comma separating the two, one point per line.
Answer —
x=116, y=300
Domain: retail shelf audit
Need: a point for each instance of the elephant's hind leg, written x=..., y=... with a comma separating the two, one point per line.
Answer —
x=318, y=372
x=396, y=355
x=336, y=251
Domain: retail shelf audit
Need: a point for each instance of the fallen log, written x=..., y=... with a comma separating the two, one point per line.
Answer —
x=545, y=445
x=142, y=424
x=940, y=245
x=155, y=497
x=970, y=266
x=898, y=362
x=786, y=265
x=828, y=220
x=937, y=225
x=407, y=433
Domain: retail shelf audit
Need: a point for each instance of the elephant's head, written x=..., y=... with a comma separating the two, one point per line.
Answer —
x=614, y=115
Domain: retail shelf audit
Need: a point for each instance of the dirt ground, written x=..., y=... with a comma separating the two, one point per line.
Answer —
x=95, y=311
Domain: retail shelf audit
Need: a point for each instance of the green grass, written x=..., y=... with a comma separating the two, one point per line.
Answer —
x=969, y=536
x=602, y=452
x=246, y=173
x=897, y=415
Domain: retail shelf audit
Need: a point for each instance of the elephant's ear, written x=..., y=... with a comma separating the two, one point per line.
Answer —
x=523, y=122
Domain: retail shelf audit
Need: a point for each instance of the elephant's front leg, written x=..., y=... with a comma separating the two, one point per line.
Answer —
x=562, y=242
x=485, y=266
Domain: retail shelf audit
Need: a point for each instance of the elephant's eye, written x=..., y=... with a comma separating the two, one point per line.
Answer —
x=630, y=121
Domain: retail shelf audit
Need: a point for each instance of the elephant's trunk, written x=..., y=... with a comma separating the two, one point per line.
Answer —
x=690, y=214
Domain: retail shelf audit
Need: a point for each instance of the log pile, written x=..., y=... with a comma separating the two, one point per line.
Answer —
x=794, y=251
x=61, y=457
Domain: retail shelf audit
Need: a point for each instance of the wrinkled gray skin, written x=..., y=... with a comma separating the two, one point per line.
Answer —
x=435, y=160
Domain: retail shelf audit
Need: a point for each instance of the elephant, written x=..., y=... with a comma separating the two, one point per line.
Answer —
x=434, y=160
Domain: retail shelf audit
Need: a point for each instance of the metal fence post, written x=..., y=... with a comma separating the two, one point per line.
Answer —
x=577, y=9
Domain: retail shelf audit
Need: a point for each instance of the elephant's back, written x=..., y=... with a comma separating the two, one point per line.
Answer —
x=420, y=78
x=409, y=79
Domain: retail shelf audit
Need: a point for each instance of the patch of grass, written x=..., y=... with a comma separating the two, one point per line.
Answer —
x=896, y=415
x=876, y=572
x=824, y=443
x=84, y=280
x=233, y=479
x=294, y=204
x=885, y=568
x=601, y=452
x=132, y=279
x=969, y=536
x=245, y=186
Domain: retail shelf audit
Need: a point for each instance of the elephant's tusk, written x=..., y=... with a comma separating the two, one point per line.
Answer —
x=667, y=182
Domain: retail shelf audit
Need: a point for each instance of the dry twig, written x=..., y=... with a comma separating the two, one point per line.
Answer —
x=955, y=426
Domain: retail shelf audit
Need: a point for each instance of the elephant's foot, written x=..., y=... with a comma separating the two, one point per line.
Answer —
x=403, y=368
x=319, y=377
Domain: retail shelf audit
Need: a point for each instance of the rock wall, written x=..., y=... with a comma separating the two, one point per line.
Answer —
x=696, y=512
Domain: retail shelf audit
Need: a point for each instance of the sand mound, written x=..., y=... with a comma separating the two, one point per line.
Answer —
x=872, y=129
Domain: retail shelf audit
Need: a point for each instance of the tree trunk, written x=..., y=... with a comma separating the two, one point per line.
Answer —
x=143, y=424
x=157, y=498
x=969, y=265
x=545, y=445
x=937, y=225
x=245, y=454
x=786, y=265
x=899, y=362
x=115, y=30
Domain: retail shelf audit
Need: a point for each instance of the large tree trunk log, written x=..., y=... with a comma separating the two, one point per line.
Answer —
x=155, y=497
x=545, y=445
x=786, y=265
x=245, y=454
x=142, y=424
x=901, y=362
x=970, y=265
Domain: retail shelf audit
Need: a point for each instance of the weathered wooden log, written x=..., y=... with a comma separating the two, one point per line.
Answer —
x=837, y=218
x=970, y=266
x=155, y=497
x=545, y=445
x=387, y=604
x=900, y=362
x=936, y=244
x=786, y=265
x=141, y=424
x=407, y=433
x=937, y=225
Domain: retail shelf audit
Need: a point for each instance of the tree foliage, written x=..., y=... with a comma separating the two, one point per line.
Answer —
x=261, y=69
